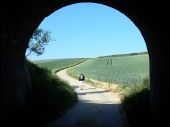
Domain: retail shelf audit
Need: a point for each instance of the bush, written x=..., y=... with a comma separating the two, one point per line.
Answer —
x=50, y=96
x=136, y=105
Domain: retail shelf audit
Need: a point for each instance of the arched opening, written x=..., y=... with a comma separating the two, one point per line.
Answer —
x=69, y=35
x=18, y=28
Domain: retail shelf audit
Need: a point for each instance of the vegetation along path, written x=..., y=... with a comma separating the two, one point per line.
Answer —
x=95, y=108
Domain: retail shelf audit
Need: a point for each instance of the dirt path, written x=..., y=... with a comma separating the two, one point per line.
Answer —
x=96, y=108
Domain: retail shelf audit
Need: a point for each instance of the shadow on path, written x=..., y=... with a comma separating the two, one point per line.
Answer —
x=86, y=114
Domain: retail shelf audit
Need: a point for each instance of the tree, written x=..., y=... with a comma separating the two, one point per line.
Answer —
x=38, y=41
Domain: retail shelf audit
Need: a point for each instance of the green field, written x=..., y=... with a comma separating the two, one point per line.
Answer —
x=58, y=64
x=123, y=70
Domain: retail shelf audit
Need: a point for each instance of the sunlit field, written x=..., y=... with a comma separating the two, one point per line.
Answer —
x=123, y=70
x=57, y=64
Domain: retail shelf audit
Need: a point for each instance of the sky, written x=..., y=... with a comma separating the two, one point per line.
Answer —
x=89, y=30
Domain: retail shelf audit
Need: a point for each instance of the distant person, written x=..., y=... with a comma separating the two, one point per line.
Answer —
x=81, y=79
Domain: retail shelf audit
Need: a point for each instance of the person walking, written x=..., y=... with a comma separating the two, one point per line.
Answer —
x=81, y=80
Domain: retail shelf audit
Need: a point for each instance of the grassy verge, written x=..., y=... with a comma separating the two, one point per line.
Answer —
x=51, y=97
x=136, y=105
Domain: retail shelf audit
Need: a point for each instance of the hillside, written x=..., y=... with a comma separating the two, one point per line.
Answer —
x=57, y=64
x=122, y=70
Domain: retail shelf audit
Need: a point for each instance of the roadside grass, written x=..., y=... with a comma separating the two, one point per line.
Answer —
x=50, y=98
x=136, y=105
x=115, y=88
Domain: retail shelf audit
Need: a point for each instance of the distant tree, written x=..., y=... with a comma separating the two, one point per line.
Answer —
x=38, y=41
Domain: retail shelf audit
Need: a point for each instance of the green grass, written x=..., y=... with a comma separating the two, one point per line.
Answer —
x=51, y=97
x=58, y=64
x=127, y=70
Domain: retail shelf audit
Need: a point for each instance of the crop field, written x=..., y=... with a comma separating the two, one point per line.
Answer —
x=123, y=70
x=57, y=64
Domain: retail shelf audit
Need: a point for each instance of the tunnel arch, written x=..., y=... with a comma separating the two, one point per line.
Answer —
x=20, y=18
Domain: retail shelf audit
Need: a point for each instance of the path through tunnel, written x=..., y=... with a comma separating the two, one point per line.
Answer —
x=21, y=18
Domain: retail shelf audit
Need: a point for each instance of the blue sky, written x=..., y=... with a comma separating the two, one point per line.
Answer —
x=89, y=30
